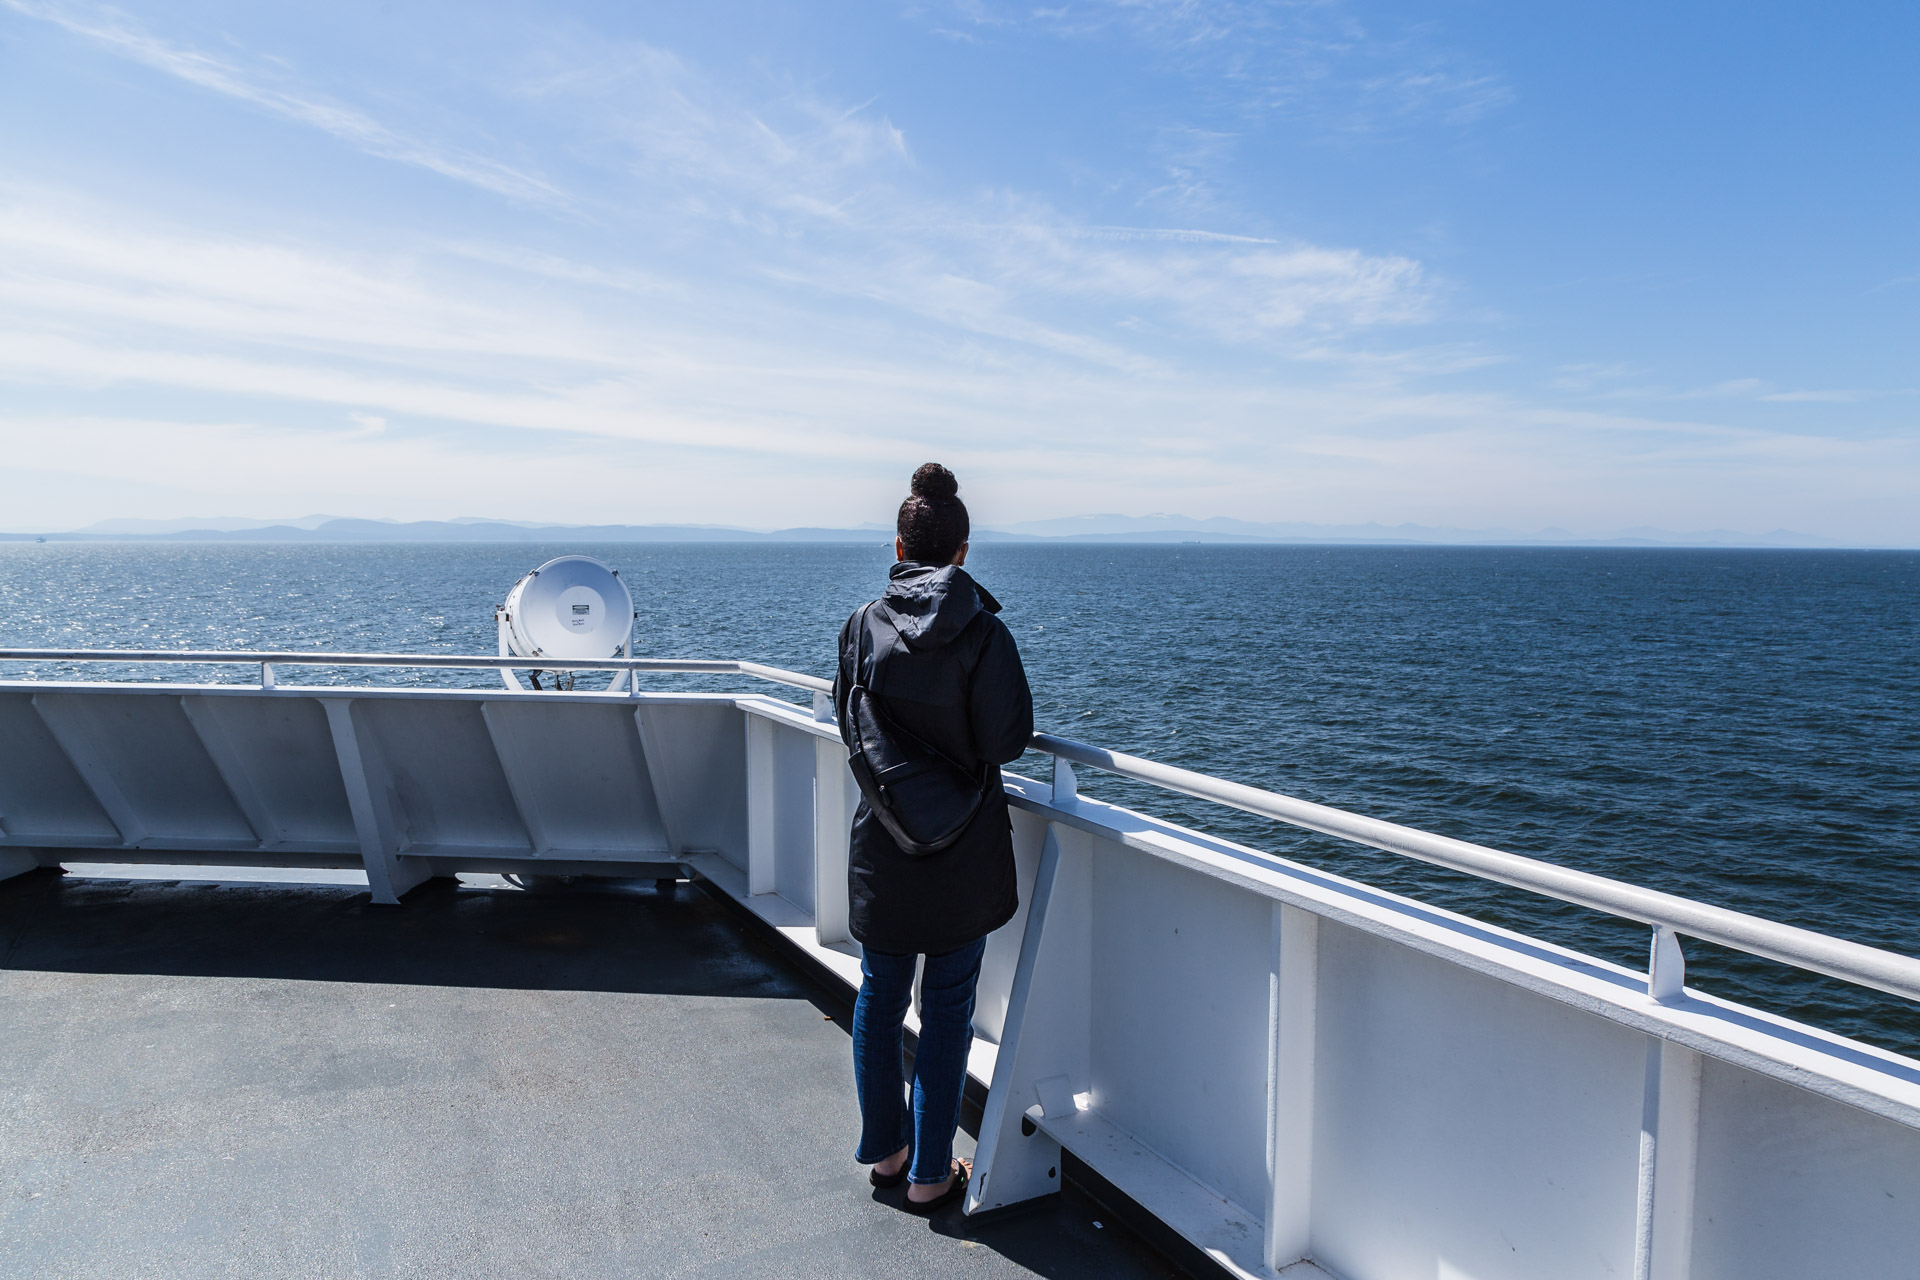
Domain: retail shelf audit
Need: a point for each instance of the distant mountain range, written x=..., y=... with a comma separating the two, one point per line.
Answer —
x=1090, y=528
x=340, y=529
x=1178, y=528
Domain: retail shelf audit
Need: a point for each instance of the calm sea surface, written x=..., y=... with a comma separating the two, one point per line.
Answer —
x=1742, y=727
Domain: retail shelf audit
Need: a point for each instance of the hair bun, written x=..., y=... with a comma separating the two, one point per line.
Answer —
x=935, y=483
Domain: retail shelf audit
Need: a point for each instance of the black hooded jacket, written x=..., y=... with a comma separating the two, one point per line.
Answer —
x=954, y=680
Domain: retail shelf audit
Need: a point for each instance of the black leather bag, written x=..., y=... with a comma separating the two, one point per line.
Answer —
x=923, y=797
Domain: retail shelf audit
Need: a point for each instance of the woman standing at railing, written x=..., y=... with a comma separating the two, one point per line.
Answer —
x=932, y=700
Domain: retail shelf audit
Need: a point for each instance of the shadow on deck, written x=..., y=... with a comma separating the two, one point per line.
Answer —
x=241, y=1079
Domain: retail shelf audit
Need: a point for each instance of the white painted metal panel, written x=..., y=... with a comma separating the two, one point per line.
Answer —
x=697, y=757
x=1003, y=945
x=437, y=761
x=42, y=795
x=1226, y=1232
x=579, y=777
x=277, y=757
x=793, y=826
x=835, y=797
x=1180, y=996
x=1792, y=1185
x=143, y=762
x=1465, y=1126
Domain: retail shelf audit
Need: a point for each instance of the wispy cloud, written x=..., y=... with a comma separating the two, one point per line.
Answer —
x=826, y=197
x=1731, y=389
x=657, y=116
x=1438, y=91
x=74, y=267
x=773, y=300
x=1831, y=396
x=1620, y=382
x=801, y=191
x=290, y=324
x=1588, y=377
x=115, y=32
x=1317, y=62
x=1182, y=235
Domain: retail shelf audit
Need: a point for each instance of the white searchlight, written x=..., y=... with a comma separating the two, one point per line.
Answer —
x=570, y=607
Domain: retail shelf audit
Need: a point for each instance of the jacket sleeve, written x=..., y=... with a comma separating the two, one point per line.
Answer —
x=842, y=676
x=1000, y=703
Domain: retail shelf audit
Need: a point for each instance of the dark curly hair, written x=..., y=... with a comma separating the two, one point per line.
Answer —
x=933, y=521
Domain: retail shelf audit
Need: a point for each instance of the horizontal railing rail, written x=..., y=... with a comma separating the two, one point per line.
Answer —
x=1667, y=914
x=1789, y=944
x=291, y=658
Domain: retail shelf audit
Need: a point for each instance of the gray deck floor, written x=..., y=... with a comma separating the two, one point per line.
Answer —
x=205, y=1080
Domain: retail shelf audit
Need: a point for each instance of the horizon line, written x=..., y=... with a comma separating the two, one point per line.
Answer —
x=471, y=530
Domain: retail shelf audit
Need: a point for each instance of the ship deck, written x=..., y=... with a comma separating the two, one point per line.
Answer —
x=227, y=1077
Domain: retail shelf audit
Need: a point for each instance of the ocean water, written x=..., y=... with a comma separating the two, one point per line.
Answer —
x=1741, y=727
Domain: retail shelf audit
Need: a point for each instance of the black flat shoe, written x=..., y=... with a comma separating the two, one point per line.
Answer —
x=959, y=1188
x=880, y=1179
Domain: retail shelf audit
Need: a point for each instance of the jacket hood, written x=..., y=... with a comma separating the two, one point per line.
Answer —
x=931, y=604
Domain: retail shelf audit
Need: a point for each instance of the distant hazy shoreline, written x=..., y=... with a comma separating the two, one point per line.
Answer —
x=1159, y=530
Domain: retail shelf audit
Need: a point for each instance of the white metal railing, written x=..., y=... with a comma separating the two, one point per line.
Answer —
x=269, y=660
x=1669, y=915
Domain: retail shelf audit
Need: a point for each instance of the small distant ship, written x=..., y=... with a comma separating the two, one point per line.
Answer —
x=1284, y=1072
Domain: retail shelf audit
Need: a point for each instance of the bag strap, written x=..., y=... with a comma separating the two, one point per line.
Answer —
x=893, y=725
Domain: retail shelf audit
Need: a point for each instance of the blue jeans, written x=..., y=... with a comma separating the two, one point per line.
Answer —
x=939, y=1067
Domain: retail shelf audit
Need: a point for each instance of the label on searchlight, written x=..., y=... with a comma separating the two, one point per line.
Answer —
x=578, y=608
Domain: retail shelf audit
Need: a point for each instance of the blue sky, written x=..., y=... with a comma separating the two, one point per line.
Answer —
x=1521, y=266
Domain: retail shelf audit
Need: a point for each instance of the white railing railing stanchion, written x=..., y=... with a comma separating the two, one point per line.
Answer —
x=1666, y=966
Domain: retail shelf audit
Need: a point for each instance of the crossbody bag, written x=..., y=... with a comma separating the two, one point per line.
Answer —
x=924, y=798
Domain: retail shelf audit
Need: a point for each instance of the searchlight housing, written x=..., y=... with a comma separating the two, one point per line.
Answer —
x=572, y=607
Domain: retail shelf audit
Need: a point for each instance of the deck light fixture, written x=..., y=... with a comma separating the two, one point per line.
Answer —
x=571, y=607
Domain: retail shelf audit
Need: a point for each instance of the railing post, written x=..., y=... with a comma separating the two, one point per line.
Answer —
x=1065, y=788
x=369, y=799
x=266, y=675
x=1666, y=967
x=507, y=677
